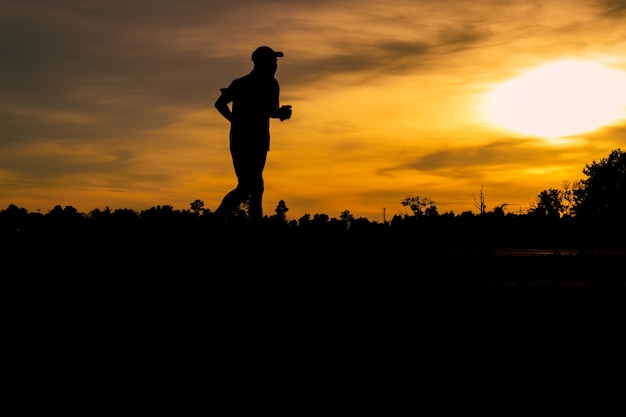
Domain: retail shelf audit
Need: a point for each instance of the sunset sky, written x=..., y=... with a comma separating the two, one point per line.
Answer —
x=111, y=103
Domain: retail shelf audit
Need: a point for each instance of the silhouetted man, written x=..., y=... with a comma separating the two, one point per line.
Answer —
x=255, y=99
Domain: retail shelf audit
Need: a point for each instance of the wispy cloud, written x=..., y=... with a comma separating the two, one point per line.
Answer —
x=613, y=8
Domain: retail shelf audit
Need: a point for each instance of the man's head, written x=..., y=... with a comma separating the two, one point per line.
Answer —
x=265, y=53
x=265, y=60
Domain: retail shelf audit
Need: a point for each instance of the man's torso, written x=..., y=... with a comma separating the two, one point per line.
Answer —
x=254, y=99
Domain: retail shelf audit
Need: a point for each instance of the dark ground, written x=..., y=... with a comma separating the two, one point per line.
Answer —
x=178, y=325
x=286, y=279
x=293, y=324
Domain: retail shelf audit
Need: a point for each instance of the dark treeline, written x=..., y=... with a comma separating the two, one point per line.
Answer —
x=588, y=217
x=491, y=229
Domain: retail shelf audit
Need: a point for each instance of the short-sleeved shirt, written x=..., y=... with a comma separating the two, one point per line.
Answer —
x=254, y=98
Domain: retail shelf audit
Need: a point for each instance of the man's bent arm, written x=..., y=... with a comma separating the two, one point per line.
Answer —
x=222, y=106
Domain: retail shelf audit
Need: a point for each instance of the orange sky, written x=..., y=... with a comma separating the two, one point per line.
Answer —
x=111, y=103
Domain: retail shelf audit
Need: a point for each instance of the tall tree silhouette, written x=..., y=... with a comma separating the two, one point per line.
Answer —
x=603, y=192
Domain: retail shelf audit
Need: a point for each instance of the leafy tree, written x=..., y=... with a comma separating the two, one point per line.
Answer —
x=304, y=220
x=64, y=214
x=347, y=218
x=549, y=203
x=320, y=218
x=196, y=206
x=281, y=210
x=13, y=217
x=498, y=211
x=97, y=214
x=158, y=211
x=420, y=206
x=431, y=210
x=14, y=210
x=603, y=192
x=125, y=216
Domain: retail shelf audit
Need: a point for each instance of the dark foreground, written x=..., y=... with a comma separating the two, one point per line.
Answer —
x=285, y=264
x=290, y=326
x=250, y=272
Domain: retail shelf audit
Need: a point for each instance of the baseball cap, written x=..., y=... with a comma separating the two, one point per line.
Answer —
x=265, y=52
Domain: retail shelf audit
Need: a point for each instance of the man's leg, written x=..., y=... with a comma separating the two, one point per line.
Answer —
x=231, y=202
x=239, y=194
x=256, y=185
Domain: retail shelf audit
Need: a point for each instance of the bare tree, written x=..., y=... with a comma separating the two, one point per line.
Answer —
x=482, y=208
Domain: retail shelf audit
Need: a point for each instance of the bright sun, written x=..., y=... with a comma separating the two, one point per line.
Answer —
x=560, y=99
